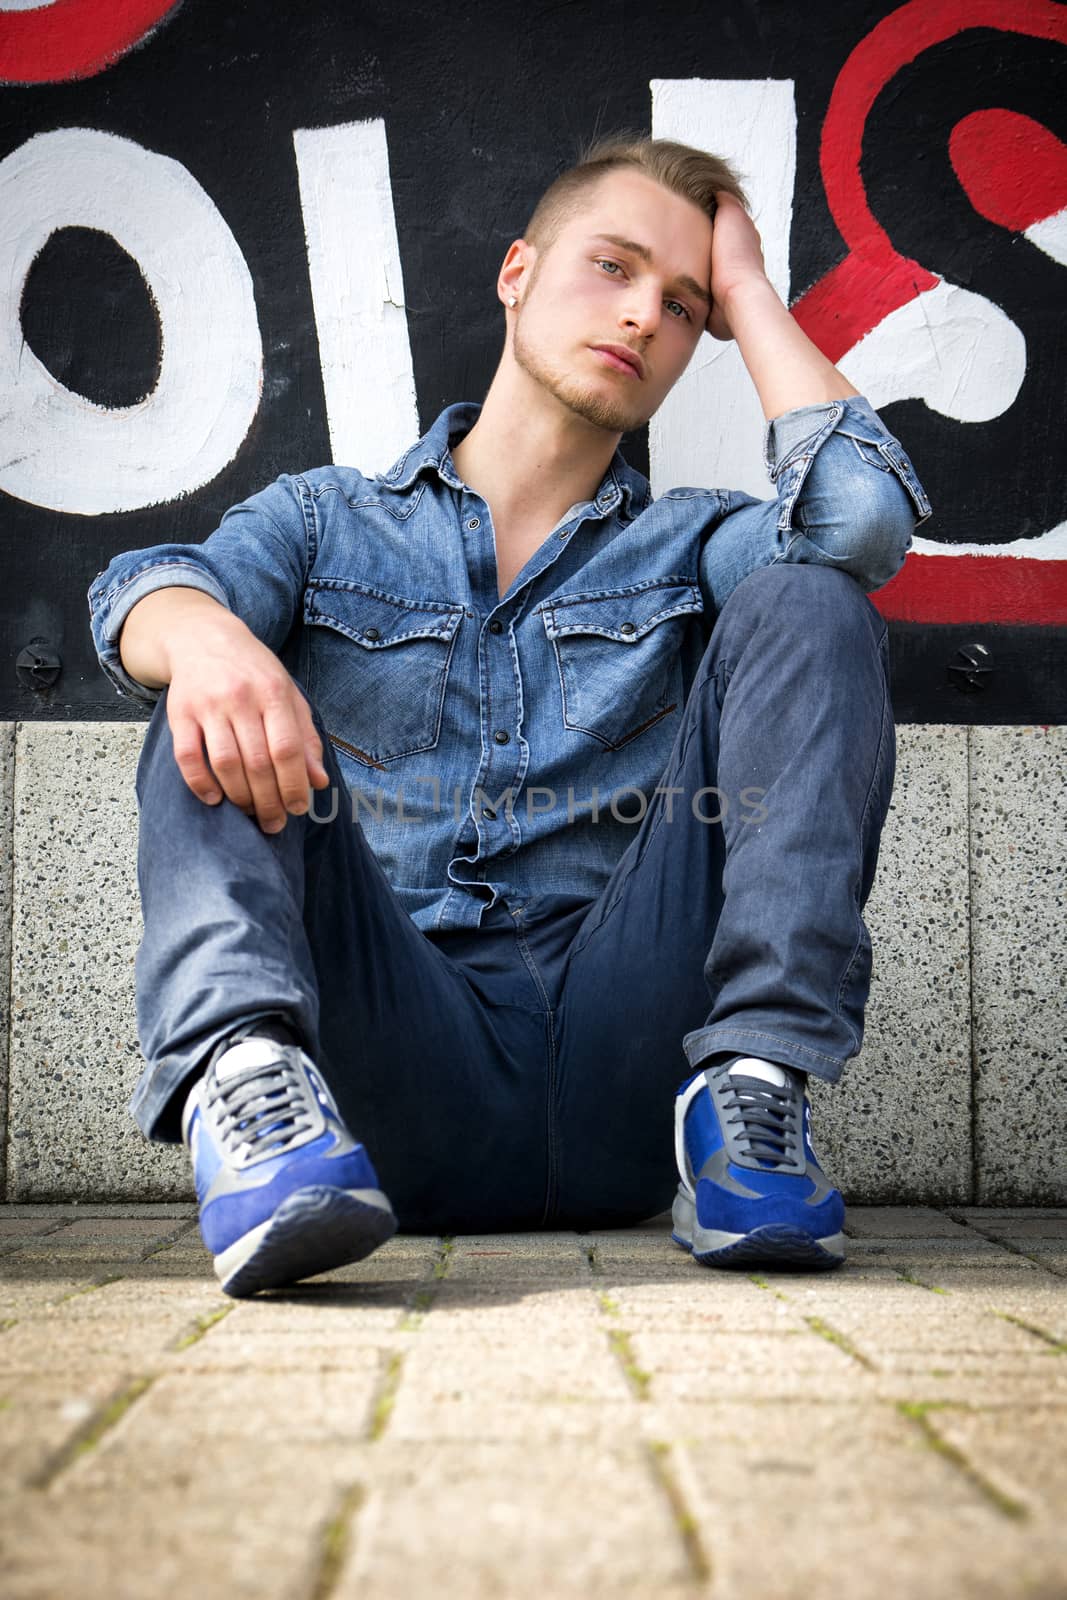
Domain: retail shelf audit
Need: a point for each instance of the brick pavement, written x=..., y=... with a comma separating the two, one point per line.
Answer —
x=535, y=1415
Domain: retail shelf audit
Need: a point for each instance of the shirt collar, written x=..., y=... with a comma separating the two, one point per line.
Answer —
x=620, y=486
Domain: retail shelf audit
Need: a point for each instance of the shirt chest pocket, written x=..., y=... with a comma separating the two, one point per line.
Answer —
x=617, y=654
x=378, y=667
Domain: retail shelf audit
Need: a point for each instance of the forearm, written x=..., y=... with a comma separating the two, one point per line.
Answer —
x=786, y=368
x=161, y=625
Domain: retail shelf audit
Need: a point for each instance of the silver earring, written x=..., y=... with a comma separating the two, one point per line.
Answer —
x=512, y=300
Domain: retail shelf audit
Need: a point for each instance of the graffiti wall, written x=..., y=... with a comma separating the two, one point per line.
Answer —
x=239, y=241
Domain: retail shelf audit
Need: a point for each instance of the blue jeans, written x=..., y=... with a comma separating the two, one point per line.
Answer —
x=522, y=1074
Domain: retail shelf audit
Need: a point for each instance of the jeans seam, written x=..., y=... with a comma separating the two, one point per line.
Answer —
x=872, y=786
x=551, y=1113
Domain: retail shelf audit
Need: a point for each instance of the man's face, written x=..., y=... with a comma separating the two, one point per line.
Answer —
x=631, y=271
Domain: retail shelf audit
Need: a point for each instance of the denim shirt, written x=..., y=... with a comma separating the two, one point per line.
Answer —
x=509, y=747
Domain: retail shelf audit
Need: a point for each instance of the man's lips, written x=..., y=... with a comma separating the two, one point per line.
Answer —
x=621, y=358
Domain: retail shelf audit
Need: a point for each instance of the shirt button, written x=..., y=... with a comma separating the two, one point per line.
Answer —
x=565, y=534
x=487, y=811
x=474, y=522
x=502, y=736
x=496, y=627
x=628, y=627
x=371, y=633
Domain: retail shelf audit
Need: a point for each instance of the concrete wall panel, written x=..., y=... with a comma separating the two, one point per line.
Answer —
x=76, y=926
x=898, y=1125
x=1019, y=899
x=7, y=779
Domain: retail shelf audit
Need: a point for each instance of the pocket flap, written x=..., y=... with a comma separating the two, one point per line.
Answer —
x=373, y=619
x=622, y=614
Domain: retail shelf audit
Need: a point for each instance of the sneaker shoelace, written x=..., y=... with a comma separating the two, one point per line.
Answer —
x=266, y=1110
x=767, y=1119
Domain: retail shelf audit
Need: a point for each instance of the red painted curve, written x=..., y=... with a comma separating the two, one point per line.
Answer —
x=874, y=280
x=970, y=588
x=74, y=38
x=1013, y=169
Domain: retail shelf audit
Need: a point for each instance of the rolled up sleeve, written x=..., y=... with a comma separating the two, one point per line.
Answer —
x=848, y=494
x=255, y=564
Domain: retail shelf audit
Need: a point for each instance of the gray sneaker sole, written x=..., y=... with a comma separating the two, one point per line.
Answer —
x=773, y=1245
x=312, y=1231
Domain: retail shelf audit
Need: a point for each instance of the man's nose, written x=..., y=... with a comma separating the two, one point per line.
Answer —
x=641, y=313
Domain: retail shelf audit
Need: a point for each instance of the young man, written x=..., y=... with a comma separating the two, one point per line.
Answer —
x=604, y=781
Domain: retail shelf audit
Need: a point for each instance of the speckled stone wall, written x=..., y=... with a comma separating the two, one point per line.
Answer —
x=898, y=1125
x=7, y=778
x=75, y=928
x=958, y=1095
x=1018, y=926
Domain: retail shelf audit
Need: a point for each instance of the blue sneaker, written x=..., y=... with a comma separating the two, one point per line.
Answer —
x=752, y=1193
x=284, y=1190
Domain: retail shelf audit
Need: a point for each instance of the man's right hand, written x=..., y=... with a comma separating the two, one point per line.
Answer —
x=240, y=725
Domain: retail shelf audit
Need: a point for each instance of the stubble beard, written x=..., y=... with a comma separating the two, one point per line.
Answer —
x=601, y=410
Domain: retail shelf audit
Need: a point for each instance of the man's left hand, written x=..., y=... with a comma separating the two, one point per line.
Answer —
x=736, y=260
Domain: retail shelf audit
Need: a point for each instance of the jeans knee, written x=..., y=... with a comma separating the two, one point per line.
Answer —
x=806, y=600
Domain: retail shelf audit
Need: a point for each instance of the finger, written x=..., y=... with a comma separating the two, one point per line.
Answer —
x=260, y=776
x=316, y=767
x=188, y=741
x=285, y=743
x=224, y=755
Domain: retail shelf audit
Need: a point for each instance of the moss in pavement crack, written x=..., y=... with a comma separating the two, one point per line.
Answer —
x=383, y=1405
x=638, y=1379
x=201, y=1326
x=1057, y=1346
x=90, y=1288
x=684, y=1520
x=444, y=1259
x=909, y=1277
x=423, y=1298
x=761, y=1283
x=918, y=1411
x=87, y=1437
x=835, y=1336
x=333, y=1547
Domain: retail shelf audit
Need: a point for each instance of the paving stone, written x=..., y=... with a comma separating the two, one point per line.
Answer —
x=1025, y=1459
x=235, y=1524
x=515, y=1522
x=705, y=1367
x=63, y=1210
x=1019, y=908
x=76, y=925
x=505, y=1386
x=185, y=1410
x=40, y=1414
x=320, y=1310
x=1016, y=1229
x=901, y=1222
x=708, y=1300
x=22, y=1297
x=541, y=1309
x=114, y=1344
x=898, y=1124
x=864, y=1506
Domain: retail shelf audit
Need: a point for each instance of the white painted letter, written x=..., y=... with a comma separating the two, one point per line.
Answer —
x=358, y=292
x=60, y=450
x=709, y=431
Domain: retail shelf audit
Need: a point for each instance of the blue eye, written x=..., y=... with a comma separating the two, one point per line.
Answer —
x=601, y=261
x=679, y=307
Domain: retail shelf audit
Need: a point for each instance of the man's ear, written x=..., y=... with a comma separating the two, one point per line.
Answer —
x=516, y=272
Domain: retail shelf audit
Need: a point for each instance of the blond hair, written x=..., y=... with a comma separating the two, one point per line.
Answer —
x=693, y=174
